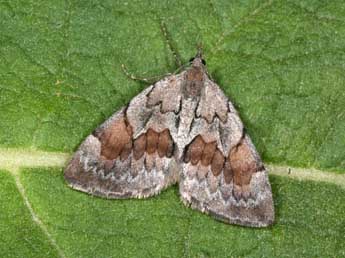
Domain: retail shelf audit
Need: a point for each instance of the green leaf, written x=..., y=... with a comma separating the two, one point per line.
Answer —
x=19, y=236
x=281, y=63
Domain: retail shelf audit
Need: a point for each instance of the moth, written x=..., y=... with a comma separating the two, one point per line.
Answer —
x=182, y=129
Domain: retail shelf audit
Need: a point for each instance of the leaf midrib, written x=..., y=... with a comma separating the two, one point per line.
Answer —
x=14, y=159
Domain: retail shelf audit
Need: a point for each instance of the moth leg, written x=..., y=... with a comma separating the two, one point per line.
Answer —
x=148, y=80
x=177, y=57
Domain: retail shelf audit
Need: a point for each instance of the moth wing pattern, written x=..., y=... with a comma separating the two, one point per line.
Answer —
x=132, y=153
x=181, y=129
x=222, y=173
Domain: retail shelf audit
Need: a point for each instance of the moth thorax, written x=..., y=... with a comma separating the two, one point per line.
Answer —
x=194, y=82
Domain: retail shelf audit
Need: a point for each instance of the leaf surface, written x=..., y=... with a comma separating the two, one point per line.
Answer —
x=280, y=62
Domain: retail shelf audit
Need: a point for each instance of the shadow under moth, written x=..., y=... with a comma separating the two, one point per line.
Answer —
x=182, y=129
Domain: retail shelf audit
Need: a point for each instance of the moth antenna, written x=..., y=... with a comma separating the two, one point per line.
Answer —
x=177, y=57
x=181, y=67
x=148, y=80
x=199, y=50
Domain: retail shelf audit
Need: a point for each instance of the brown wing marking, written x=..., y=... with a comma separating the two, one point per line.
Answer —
x=217, y=163
x=208, y=153
x=205, y=153
x=112, y=164
x=117, y=137
x=238, y=167
x=202, y=154
x=165, y=144
x=139, y=146
x=243, y=164
x=234, y=189
x=152, y=141
x=116, y=142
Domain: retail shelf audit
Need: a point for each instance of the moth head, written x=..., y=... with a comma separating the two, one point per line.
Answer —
x=198, y=61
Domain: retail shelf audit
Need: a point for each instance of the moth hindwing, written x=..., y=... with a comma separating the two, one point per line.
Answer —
x=183, y=130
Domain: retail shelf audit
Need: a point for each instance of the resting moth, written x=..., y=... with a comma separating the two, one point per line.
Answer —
x=182, y=129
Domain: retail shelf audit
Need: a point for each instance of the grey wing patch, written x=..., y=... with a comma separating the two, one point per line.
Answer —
x=167, y=94
x=157, y=107
x=212, y=103
x=125, y=157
